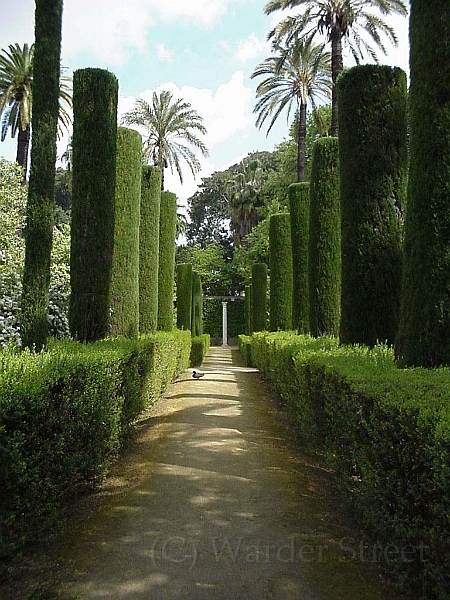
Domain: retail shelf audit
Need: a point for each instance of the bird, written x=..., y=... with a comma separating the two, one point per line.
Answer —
x=196, y=375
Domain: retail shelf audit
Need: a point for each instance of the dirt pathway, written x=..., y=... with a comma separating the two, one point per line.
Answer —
x=214, y=503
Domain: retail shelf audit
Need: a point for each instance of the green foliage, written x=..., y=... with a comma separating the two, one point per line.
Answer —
x=299, y=211
x=324, y=265
x=245, y=349
x=385, y=433
x=248, y=309
x=280, y=263
x=199, y=347
x=259, y=297
x=423, y=338
x=212, y=318
x=95, y=94
x=41, y=188
x=63, y=415
x=149, y=249
x=184, y=296
x=124, y=292
x=373, y=158
x=167, y=232
x=197, y=306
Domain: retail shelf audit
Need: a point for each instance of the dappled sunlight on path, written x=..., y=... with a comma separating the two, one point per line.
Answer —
x=214, y=503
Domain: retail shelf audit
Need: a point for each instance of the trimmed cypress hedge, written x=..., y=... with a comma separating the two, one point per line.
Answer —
x=324, y=264
x=125, y=271
x=248, y=309
x=280, y=262
x=40, y=206
x=184, y=296
x=259, y=297
x=373, y=160
x=167, y=234
x=95, y=93
x=199, y=348
x=423, y=338
x=299, y=211
x=197, y=302
x=212, y=317
x=149, y=249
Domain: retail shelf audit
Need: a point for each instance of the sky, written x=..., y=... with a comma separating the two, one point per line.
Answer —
x=202, y=51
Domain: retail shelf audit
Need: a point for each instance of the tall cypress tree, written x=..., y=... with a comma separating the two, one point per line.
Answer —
x=299, y=211
x=325, y=239
x=95, y=94
x=125, y=272
x=40, y=206
x=184, y=296
x=373, y=159
x=167, y=234
x=280, y=262
x=424, y=338
x=149, y=249
x=259, y=297
x=197, y=305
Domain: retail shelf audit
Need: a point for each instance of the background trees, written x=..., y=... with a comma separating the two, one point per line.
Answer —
x=172, y=130
x=342, y=23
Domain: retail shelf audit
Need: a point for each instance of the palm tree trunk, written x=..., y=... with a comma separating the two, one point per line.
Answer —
x=23, y=143
x=301, y=142
x=336, y=68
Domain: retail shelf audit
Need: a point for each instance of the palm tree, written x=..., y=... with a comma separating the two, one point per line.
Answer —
x=343, y=22
x=299, y=72
x=245, y=188
x=171, y=129
x=16, y=98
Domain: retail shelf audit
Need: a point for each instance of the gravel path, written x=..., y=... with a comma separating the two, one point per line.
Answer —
x=214, y=502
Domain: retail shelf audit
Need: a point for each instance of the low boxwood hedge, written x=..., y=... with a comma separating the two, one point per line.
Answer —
x=386, y=433
x=199, y=347
x=63, y=416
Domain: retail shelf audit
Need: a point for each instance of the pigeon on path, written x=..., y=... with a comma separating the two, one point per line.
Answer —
x=197, y=375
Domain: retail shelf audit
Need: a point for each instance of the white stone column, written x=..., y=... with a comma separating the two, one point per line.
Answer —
x=224, y=324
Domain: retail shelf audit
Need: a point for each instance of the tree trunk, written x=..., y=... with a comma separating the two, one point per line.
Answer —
x=336, y=68
x=23, y=143
x=301, y=143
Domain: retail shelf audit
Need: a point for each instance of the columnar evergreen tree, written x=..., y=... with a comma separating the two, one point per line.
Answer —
x=280, y=262
x=423, y=338
x=40, y=206
x=149, y=249
x=167, y=233
x=197, y=305
x=324, y=239
x=95, y=93
x=373, y=160
x=259, y=297
x=184, y=296
x=125, y=272
x=299, y=211
x=248, y=309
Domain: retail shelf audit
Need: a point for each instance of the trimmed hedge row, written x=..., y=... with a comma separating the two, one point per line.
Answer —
x=199, y=347
x=212, y=317
x=385, y=432
x=63, y=416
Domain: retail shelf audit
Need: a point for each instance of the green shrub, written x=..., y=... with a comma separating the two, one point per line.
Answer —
x=245, y=349
x=63, y=416
x=199, y=347
x=373, y=162
x=280, y=263
x=259, y=297
x=299, y=211
x=95, y=94
x=167, y=233
x=184, y=296
x=125, y=270
x=149, y=249
x=386, y=434
x=423, y=338
x=212, y=317
x=248, y=309
x=324, y=265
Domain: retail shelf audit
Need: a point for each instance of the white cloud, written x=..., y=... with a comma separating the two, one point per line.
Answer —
x=164, y=53
x=251, y=48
